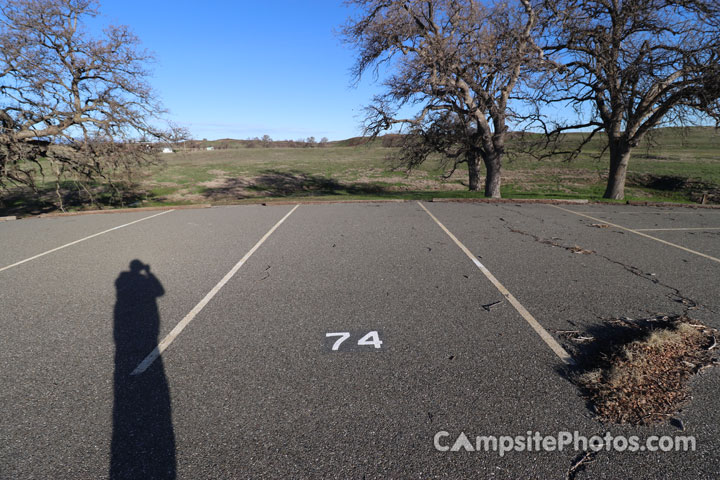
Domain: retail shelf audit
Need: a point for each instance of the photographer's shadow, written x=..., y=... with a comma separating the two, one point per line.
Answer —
x=143, y=440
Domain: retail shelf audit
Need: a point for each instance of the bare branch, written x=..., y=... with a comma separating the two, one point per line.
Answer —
x=79, y=102
x=639, y=64
x=458, y=63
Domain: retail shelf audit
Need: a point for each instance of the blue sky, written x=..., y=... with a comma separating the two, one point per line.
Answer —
x=245, y=69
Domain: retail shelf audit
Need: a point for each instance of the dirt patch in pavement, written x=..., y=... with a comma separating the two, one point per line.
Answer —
x=638, y=371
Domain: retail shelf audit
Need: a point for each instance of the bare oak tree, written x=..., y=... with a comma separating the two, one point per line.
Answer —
x=72, y=102
x=457, y=62
x=639, y=64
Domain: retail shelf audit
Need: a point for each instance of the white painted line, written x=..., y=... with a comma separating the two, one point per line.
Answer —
x=82, y=240
x=675, y=229
x=162, y=346
x=636, y=232
x=547, y=338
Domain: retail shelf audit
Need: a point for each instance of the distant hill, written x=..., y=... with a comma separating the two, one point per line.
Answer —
x=676, y=136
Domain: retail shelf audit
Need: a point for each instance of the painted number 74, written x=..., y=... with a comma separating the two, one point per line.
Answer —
x=372, y=338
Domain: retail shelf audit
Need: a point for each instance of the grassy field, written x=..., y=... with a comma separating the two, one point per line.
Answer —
x=676, y=166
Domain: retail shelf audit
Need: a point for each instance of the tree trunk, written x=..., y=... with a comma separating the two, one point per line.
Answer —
x=619, y=158
x=493, y=177
x=474, y=174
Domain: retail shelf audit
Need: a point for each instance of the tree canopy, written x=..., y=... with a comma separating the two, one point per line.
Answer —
x=458, y=62
x=638, y=64
x=76, y=103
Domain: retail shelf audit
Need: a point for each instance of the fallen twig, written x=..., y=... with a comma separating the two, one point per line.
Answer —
x=491, y=305
x=580, y=464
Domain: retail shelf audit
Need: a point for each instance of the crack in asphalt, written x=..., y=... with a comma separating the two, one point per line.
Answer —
x=585, y=458
x=676, y=295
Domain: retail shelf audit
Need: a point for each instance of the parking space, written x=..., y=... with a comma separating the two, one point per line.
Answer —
x=294, y=408
x=654, y=225
x=252, y=386
x=35, y=236
x=59, y=320
x=698, y=239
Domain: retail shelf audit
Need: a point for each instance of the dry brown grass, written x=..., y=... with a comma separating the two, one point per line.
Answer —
x=643, y=377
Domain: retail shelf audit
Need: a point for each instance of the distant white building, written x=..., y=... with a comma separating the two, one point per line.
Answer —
x=167, y=150
x=210, y=149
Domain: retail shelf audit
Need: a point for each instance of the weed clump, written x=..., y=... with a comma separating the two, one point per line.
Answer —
x=638, y=371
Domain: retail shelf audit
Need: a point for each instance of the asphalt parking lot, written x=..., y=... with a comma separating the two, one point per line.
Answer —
x=448, y=313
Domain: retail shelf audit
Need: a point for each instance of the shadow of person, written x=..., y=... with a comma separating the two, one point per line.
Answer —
x=143, y=440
